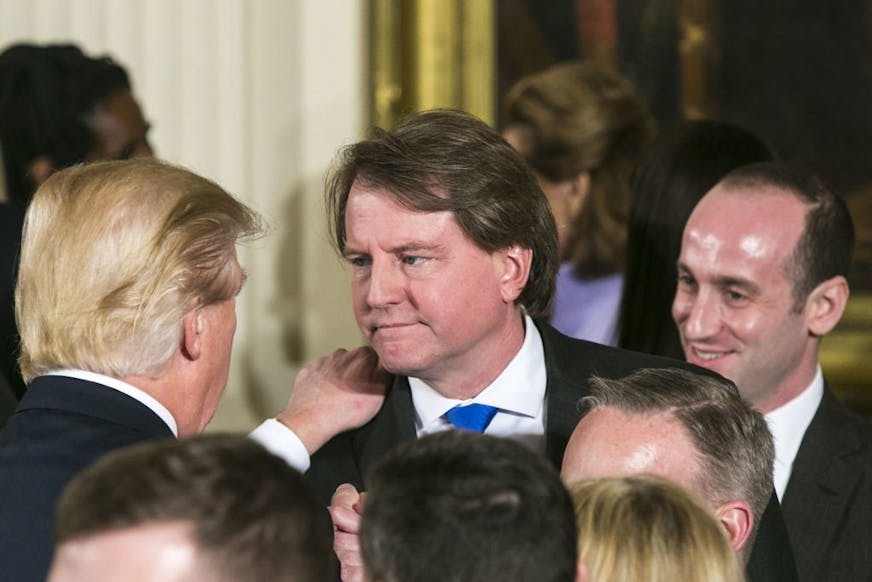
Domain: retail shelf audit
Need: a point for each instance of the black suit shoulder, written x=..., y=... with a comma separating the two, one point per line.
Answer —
x=828, y=500
x=60, y=426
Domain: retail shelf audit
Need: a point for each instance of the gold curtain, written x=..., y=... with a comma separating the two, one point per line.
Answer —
x=431, y=53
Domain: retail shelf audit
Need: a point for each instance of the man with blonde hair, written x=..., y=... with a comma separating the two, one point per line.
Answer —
x=126, y=307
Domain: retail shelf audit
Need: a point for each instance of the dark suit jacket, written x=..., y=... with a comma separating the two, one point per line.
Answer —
x=61, y=426
x=828, y=501
x=569, y=363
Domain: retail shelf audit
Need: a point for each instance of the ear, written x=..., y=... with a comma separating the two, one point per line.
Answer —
x=738, y=520
x=581, y=573
x=578, y=193
x=825, y=305
x=40, y=169
x=192, y=335
x=513, y=266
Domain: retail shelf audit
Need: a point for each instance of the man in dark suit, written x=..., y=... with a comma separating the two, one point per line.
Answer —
x=762, y=278
x=452, y=250
x=126, y=300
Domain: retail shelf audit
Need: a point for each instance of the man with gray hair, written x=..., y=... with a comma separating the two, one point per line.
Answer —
x=126, y=307
x=690, y=428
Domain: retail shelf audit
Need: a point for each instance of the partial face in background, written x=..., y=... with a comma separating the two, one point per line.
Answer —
x=120, y=129
x=564, y=197
x=152, y=552
x=734, y=305
x=429, y=301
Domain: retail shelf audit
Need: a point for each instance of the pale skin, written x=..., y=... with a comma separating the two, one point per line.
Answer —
x=734, y=305
x=611, y=443
x=150, y=552
x=433, y=305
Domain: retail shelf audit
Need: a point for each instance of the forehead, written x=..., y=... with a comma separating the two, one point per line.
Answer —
x=611, y=443
x=150, y=552
x=372, y=210
x=744, y=225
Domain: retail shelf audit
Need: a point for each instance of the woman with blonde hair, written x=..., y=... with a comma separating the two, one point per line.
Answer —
x=582, y=129
x=647, y=528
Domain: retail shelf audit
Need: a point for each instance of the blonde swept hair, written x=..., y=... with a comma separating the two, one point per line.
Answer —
x=114, y=255
x=647, y=528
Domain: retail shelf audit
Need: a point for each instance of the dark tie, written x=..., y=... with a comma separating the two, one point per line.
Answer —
x=473, y=417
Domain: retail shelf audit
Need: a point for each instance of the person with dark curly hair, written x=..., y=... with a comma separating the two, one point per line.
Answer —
x=58, y=107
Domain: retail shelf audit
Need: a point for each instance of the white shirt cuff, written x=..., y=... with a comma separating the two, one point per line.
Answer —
x=282, y=442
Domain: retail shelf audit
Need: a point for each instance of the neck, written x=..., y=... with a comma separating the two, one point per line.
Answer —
x=465, y=376
x=791, y=386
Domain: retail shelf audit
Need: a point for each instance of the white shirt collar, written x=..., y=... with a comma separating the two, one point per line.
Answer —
x=520, y=387
x=132, y=391
x=788, y=424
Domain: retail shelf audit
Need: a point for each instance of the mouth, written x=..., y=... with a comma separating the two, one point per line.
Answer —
x=389, y=327
x=708, y=356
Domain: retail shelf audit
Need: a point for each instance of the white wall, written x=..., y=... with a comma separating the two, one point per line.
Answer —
x=256, y=95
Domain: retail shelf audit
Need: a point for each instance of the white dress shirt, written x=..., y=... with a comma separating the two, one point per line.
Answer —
x=132, y=391
x=788, y=424
x=519, y=393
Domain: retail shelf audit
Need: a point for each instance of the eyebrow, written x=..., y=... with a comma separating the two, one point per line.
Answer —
x=725, y=280
x=411, y=246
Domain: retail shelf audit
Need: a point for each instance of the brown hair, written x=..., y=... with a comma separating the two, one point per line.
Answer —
x=446, y=160
x=252, y=515
x=583, y=118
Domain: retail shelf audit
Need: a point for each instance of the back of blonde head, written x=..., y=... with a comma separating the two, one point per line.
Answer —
x=646, y=528
x=113, y=256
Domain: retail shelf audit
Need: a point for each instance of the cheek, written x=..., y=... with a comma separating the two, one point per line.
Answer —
x=748, y=324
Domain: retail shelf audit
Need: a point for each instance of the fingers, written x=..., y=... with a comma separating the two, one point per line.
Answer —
x=345, y=509
x=346, y=494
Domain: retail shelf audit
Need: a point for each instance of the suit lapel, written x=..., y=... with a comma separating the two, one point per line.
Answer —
x=566, y=383
x=394, y=424
x=821, y=482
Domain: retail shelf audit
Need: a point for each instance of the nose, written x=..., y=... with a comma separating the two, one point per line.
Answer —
x=386, y=285
x=696, y=315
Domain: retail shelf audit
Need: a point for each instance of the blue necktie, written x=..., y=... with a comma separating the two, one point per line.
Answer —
x=473, y=417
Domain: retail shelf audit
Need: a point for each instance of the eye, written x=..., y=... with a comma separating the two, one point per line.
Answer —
x=359, y=261
x=412, y=260
x=685, y=280
x=736, y=297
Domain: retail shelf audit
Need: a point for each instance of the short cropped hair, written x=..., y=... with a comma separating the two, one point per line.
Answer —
x=466, y=507
x=735, y=448
x=114, y=255
x=451, y=161
x=826, y=247
x=647, y=528
x=252, y=515
x=585, y=118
